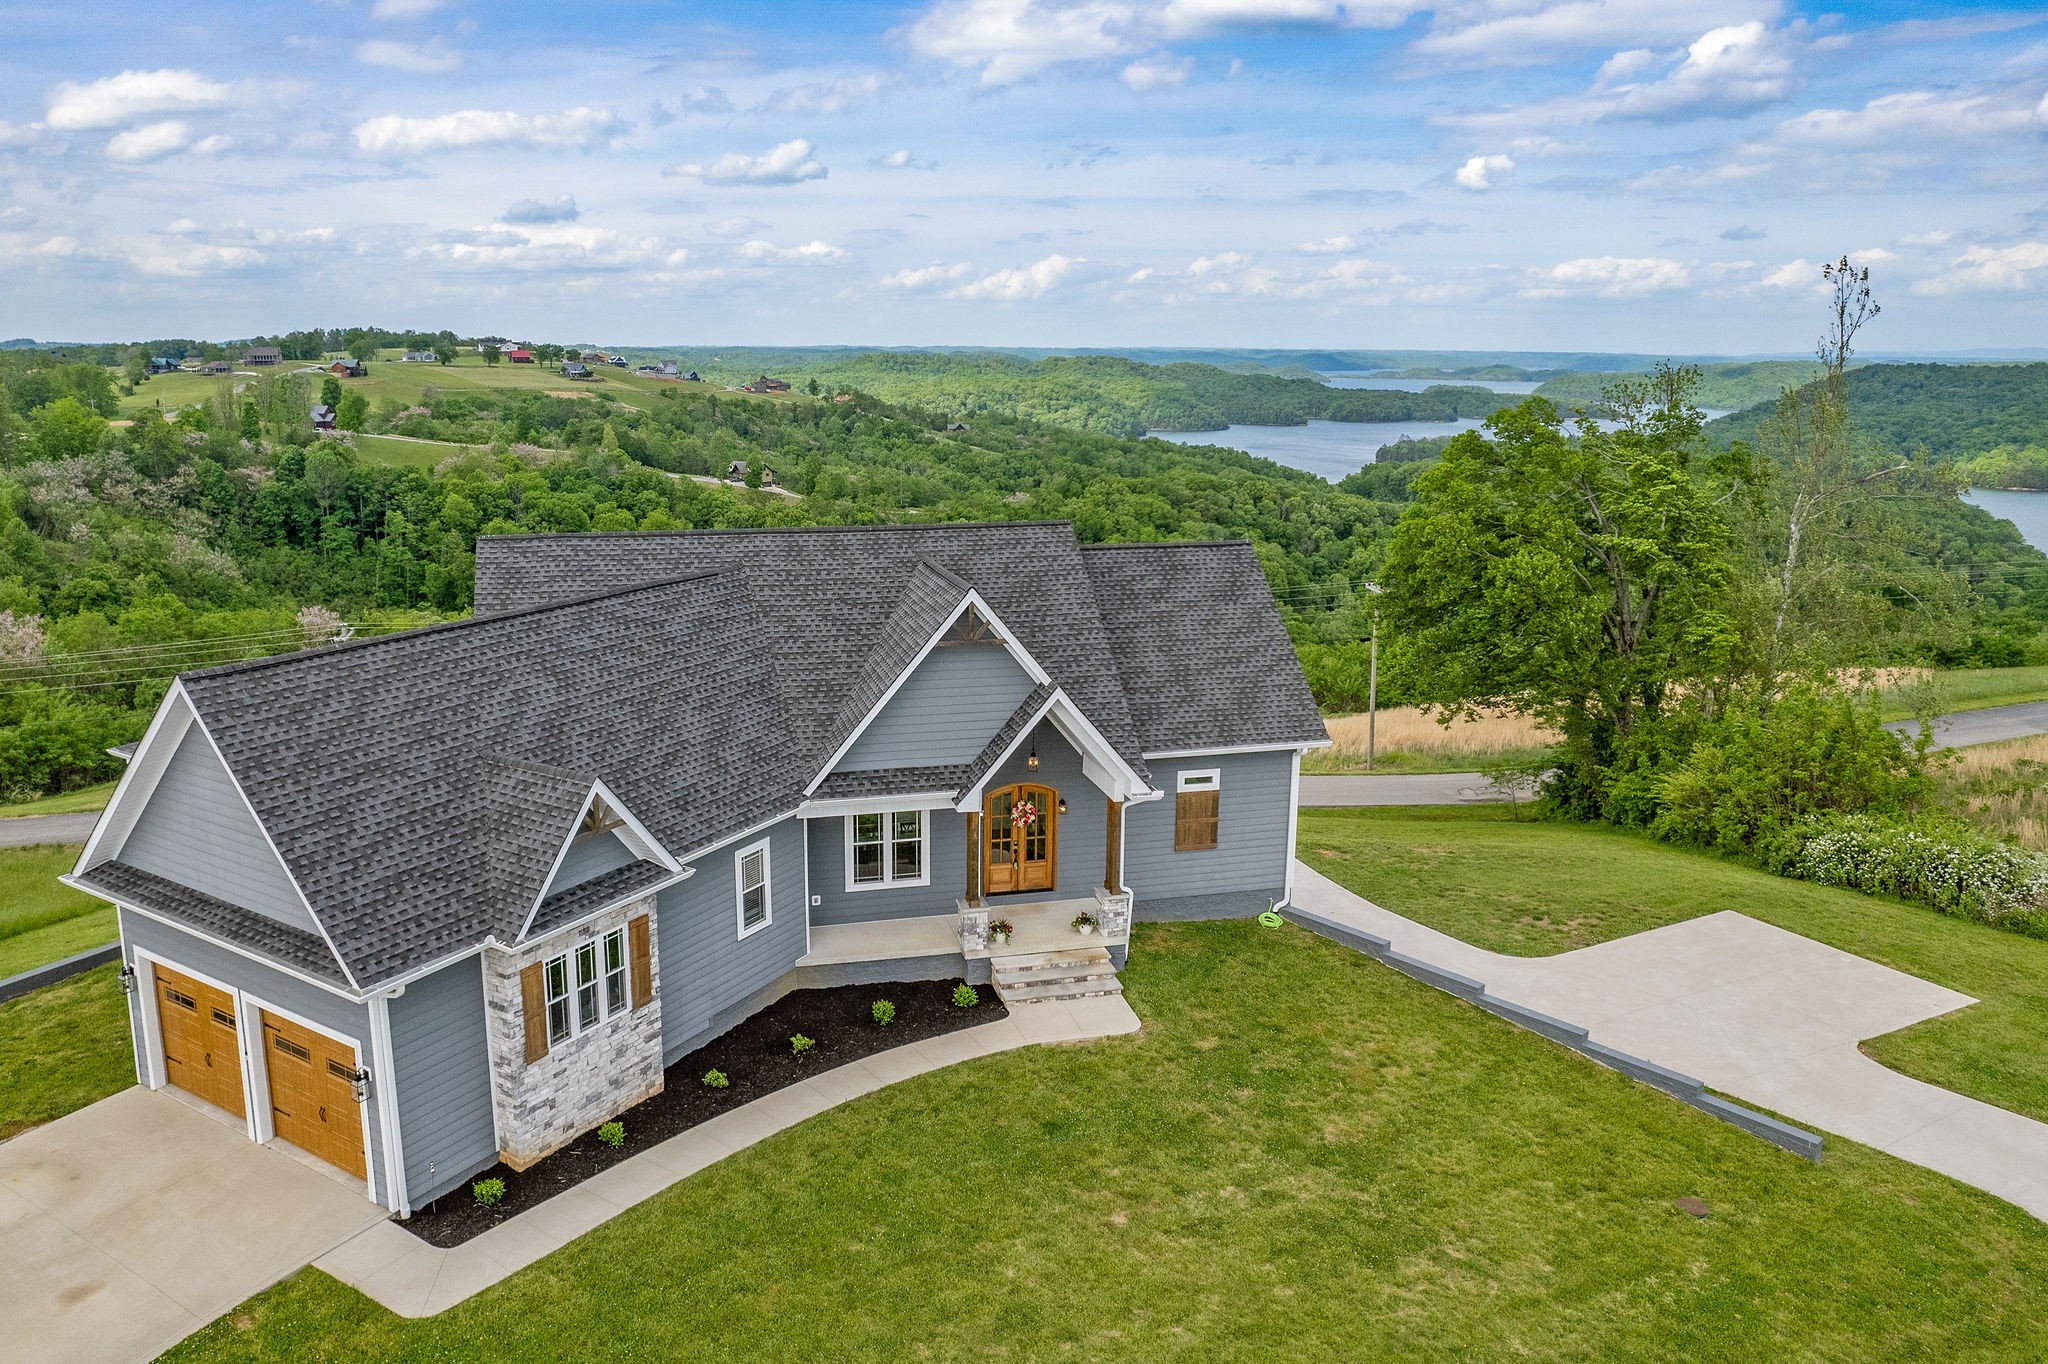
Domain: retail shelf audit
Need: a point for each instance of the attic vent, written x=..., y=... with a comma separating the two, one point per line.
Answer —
x=598, y=819
x=971, y=628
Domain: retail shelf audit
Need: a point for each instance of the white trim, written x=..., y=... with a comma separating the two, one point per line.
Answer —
x=1076, y=729
x=1206, y=779
x=384, y=1090
x=1293, y=829
x=1009, y=641
x=151, y=1062
x=134, y=997
x=352, y=996
x=709, y=848
x=132, y=775
x=854, y=805
x=619, y=808
x=739, y=859
x=662, y=856
x=585, y=920
x=555, y=867
x=160, y=1069
x=804, y=841
x=1238, y=748
x=354, y=1044
x=890, y=881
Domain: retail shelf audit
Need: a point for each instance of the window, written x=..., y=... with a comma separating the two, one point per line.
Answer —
x=556, y=979
x=885, y=849
x=615, y=971
x=750, y=870
x=586, y=986
x=1197, y=808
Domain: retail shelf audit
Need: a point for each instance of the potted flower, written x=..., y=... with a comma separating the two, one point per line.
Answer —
x=999, y=931
x=1084, y=923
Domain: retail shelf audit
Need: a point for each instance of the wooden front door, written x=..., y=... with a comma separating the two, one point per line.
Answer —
x=202, y=1051
x=1019, y=854
x=312, y=1093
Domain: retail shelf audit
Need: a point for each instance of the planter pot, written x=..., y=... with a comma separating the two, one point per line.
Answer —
x=1084, y=929
x=998, y=939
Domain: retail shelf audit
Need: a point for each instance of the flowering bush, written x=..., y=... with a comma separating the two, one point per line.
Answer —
x=1947, y=868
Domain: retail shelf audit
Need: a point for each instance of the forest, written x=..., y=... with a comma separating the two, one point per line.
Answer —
x=1946, y=411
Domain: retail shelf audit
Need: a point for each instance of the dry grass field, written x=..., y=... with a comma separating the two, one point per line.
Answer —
x=2001, y=788
x=1412, y=739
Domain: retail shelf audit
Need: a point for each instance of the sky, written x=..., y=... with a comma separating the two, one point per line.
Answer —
x=1615, y=175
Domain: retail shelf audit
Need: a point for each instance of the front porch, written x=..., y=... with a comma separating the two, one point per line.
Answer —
x=1038, y=927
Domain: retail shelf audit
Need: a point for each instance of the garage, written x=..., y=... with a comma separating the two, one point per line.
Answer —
x=202, y=1047
x=312, y=1093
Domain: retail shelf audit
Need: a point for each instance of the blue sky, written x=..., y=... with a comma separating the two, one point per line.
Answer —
x=1532, y=174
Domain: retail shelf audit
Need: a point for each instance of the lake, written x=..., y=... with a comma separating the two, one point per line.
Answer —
x=2028, y=511
x=1417, y=385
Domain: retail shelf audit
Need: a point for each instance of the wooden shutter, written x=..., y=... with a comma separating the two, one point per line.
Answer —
x=642, y=956
x=1195, y=819
x=533, y=996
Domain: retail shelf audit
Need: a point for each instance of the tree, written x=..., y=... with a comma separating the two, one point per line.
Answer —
x=330, y=391
x=362, y=347
x=250, y=420
x=1573, y=576
x=352, y=412
x=444, y=352
x=492, y=355
x=65, y=429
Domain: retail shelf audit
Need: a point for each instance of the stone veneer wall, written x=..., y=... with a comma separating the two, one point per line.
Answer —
x=584, y=1081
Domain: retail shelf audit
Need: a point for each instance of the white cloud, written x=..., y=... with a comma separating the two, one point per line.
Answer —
x=122, y=99
x=405, y=9
x=1013, y=285
x=1610, y=276
x=926, y=276
x=571, y=130
x=432, y=57
x=834, y=97
x=1506, y=32
x=1482, y=172
x=1328, y=246
x=2019, y=268
x=14, y=135
x=560, y=209
x=899, y=159
x=201, y=260
x=812, y=253
x=1937, y=237
x=787, y=163
x=550, y=247
x=735, y=227
x=1798, y=274
x=150, y=142
x=1160, y=71
x=1915, y=117
x=1726, y=71
x=1228, y=272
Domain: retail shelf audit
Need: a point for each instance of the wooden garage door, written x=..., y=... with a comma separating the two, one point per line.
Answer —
x=202, y=1053
x=312, y=1098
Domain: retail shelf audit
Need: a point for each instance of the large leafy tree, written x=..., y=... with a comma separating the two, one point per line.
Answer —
x=1569, y=572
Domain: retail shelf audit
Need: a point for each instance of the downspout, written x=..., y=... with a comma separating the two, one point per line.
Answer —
x=1293, y=829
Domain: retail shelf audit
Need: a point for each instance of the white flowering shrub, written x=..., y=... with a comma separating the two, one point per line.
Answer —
x=1952, y=870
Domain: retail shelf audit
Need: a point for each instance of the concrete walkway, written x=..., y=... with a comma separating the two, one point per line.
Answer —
x=1759, y=1014
x=23, y=830
x=131, y=1223
x=414, y=1279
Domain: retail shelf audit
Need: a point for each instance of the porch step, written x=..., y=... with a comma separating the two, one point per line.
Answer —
x=1073, y=973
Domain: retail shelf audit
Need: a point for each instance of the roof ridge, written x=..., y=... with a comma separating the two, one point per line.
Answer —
x=1163, y=544
x=772, y=530
x=444, y=626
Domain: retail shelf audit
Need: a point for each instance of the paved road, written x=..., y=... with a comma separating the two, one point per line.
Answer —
x=27, y=829
x=1985, y=726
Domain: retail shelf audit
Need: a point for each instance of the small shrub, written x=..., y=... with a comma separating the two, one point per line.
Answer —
x=965, y=996
x=1951, y=869
x=489, y=1192
x=715, y=1079
x=612, y=1134
x=800, y=1044
x=883, y=1012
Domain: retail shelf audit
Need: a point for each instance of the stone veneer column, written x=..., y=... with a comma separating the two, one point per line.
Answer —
x=584, y=1081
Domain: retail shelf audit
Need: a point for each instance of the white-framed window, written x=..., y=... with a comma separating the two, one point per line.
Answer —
x=585, y=986
x=1197, y=809
x=750, y=878
x=886, y=848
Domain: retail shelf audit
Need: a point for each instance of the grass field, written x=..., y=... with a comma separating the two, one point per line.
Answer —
x=1304, y=1156
x=418, y=454
x=1534, y=888
x=70, y=803
x=63, y=1047
x=1966, y=689
x=40, y=920
x=2002, y=788
x=1410, y=739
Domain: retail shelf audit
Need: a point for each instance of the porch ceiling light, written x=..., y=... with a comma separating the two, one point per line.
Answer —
x=1031, y=759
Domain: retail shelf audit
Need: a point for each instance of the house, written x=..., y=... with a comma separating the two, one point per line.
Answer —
x=216, y=367
x=764, y=384
x=593, y=357
x=323, y=417
x=736, y=472
x=348, y=368
x=575, y=369
x=420, y=357
x=618, y=360
x=418, y=903
x=519, y=355
x=668, y=370
x=163, y=364
x=264, y=355
x=692, y=377
x=648, y=372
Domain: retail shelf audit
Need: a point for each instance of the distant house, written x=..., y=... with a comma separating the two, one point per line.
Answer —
x=323, y=417
x=163, y=364
x=693, y=378
x=649, y=371
x=619, y=360
x=575, y=369
x=594, y=357
x=216, y=367
x=263, y=355
x=350, y=369
x=736, y=471
x=519, y=355
x=420, y=357
x=764, y=384
x=668, y=370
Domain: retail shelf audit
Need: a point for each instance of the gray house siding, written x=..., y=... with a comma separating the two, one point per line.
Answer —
x=945, y=854
x=442, y=1065
x=588, y=856
x=1251, y=852
x=1078, y=834
x=706, y=967
x=270, y=986
x=945, y=712
x=197, y=831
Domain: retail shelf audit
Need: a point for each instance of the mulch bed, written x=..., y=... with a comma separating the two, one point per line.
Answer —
x=755, y=1058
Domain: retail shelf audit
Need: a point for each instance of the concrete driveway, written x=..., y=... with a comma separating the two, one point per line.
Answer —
x=1760, y=1014
x=128, y=1225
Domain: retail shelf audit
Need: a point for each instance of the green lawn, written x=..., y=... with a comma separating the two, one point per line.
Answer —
x=1343, y=762
x=63, y=1047
x=1976, y=689
x=41, y=920
x=419, y=454
x=1532, y=888
x=70, y=803
x=1304, y=1156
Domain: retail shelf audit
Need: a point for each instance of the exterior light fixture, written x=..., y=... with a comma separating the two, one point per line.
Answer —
x=1031, y=759
x=360, y=1083
x=1063, y=804
x=128, y=979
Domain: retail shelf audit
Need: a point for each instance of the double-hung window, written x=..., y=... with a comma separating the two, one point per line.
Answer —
x=750, y=872
x=585, y=986
x=886, y=849
x=556, y=978
x=615, y=993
